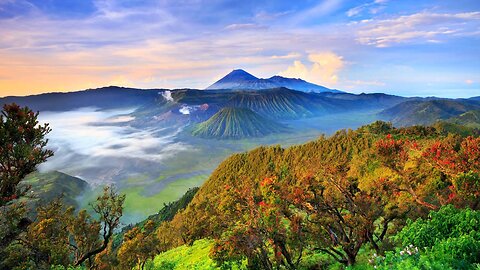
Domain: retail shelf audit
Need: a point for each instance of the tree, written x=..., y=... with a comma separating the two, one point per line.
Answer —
x=459, y=164
x=395, y=155
x=109, y=208
x=139, y=245
x=22, y=143
x=340, y=216
x=58, y=236
x=266, y=231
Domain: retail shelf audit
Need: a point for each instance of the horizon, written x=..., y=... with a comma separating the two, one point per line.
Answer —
x=431, y=48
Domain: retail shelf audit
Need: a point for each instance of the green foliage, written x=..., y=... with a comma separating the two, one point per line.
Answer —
x=448, y=238
x=168, y=211
x=45, y=187
x=441, y=225
x=185, y=257
x=22, y=142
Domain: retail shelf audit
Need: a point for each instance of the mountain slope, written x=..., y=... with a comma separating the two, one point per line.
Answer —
x=47, y=186
x=236, y=123
x=239, y=79
x=282, y=103
x=299, y=84
x=104, y=98
x=468, y=119
x=427, y=112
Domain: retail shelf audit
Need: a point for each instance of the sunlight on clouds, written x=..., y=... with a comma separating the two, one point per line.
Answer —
x=417, y=28
x=324, y=69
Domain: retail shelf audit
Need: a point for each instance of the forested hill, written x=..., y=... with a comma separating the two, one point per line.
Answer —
x=335, y=194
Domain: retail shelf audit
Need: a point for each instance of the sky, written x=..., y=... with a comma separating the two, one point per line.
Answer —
x=403, y=47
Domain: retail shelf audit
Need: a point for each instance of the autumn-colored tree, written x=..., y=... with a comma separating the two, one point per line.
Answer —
x=22, y=148
x=340, y=216
x=60, y=237
x=459, y=164
x=266, y=232
x=402, y=158
x=139, y=245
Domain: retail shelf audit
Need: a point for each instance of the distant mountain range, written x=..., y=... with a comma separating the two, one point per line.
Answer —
x=239, y=79
x=238, y=105
x=420, y=112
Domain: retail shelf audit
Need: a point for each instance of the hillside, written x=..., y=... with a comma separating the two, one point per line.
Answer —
x=469, y=119
x=336, y=181
x=239, y=79
x=51, y=185
x=282, y=103
x=236, y=123
x=427, y=112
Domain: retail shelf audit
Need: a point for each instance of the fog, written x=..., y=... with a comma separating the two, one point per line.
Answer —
x=101, y=147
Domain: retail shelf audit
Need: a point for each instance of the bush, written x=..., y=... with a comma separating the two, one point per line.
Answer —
x=448, y=222
x=448, y=239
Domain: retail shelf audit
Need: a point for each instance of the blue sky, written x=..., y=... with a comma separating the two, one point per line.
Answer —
x=400, y=47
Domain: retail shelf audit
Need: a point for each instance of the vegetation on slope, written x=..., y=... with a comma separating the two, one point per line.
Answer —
x=237, y=123
x=427, y=112
x=468, y=119
x=335, y=195
x=45, y=187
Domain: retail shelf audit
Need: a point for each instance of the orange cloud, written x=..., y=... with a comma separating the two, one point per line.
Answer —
x=324, y=69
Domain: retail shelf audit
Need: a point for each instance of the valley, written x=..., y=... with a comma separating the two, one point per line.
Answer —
x=155, y=144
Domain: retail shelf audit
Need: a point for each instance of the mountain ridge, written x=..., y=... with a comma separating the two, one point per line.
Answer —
x=236, y=123
x=239, y=79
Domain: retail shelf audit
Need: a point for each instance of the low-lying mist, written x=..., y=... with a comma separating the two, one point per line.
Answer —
x=101, y=147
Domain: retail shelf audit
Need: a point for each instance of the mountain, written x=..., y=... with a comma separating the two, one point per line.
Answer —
x=104, y=98
x=468, y=119
x=189, y=106
x=373, y=100
x=283, y=103
x=300, y=85
x=239, y=79
x=47, y=186
x=419, y=112
x=236, y=123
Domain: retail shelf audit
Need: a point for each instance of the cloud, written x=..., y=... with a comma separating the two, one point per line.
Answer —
x=101, y=147
x=243, y=26
x=417, y=28
x=367, y=83
x=469, y=81
x=324, y=69
x=291, y=55
x=373, y=8
x=323, y=8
